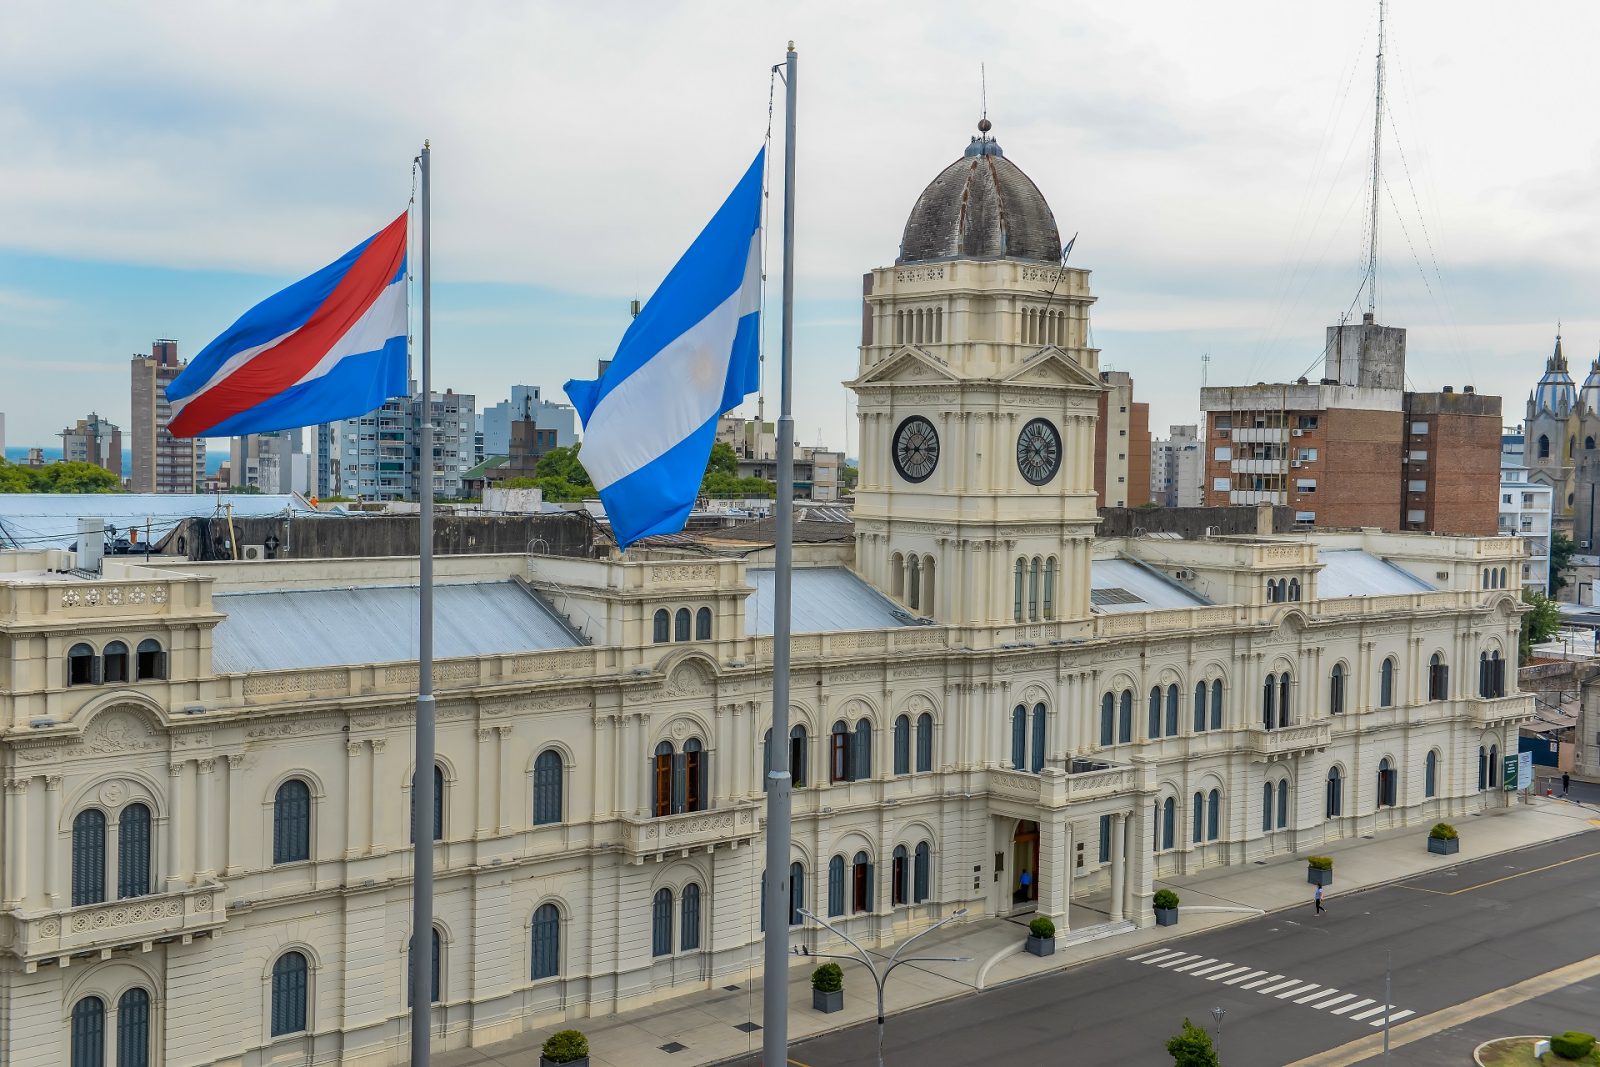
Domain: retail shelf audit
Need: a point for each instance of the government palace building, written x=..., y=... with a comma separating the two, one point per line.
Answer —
x=205, y=830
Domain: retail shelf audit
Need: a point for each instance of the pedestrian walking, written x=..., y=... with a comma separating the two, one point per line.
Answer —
x=1320, y=908
x=1566, y=780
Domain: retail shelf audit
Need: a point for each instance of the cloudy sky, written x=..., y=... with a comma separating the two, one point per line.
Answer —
x=167, y=165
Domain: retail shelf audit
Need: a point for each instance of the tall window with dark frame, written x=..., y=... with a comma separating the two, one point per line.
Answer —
x=1269, y=698
x=289, y=980
x=680, y=778
x=433, y=978
x=1386, y=683
x=89, y=1033
x=1105, y=839
x=861, y=752
x=133, y=1028
x=1169, y=822
x=1213, y=815
x=1335, y=805
x=1019, y=737
x=836, y=886
x=689, y=919
x=662, y=632
x=1430, y=775
x=83, y=666
x=680, y=625
x=1336, y=690
x=1108, y=720
x=152, y=660
x=1040, y=728
x=702, y=624
x=797, y=756
x=547, y=771
x=1388, y=783
x=1216, y=704
x=291, y=822
x=924, y=742
x=900, y=873
x=860, y=883
x=921, y=874
x=839, y=752
x=1283, y=699
x=1197, y=818
x=1438, y=678
x=438, y=807
x=797, y=893
x=1172, y=710
x=661, y=923
x=1153, y=727
x=88, y=857
x=133, y=852
x=545, y=951
x=1483, y=768
x=115, y=662
x=1494, y=766
x=1283, y=803
x=902, y=745
x=1125, y=717
x=1266, y=806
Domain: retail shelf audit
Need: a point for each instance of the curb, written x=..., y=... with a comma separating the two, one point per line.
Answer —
x=1477, y=1052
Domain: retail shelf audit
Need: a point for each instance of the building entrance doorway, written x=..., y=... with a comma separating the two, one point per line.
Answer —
x=1025, y=863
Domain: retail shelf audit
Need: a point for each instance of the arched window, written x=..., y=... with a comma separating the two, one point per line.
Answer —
x=89, y=1033
x=1213, y=814
x=1283, y=803
x=89, y=857
x=836, y=886
x=897, y=576
x=289, y=994
x=924, y=742
x=663, y=626
x=702, y=624
x=1483, y=674
x=1269, y=696
x=914, y=582
x=1494, y=766
x=860, y=884
x=797, y=893
x=1216, y=704
x=1050, y=588
x=797, y=756
x=1283, y=699
x=291, y=822
x=133, y=1028
x=1272, y=591
x=839, y=752
x=661, y=923
x=689, y=920
x=1016, y=595
x=438, y=805
x=114, y=662
x=1125, y=717
x=546, y=945
x=1266, y=806
x=547, y=788
x=694, y=775
x=927, y=584
x=152, y=660
x=1200, y=707
x=1172, y=710
x=680, y=778
x=1197, y=823
x=1438, y=678
x=680, y=625
x=1294, y=589
x=1488, y=580
x=133, y=852
x=1502, y=577
x=1497, y=674
x=1335, y=793
x=1336, y=690
x=861, y=751
x=1386, y=683
x=900, y=877
x=1153, y=730
x=1544, y=447
x=83, y=668
x=1483, y=768
x=1033, y=589
x=1108, y=716
x=1588, y=444
x=1388, y=783
x=922, y=873
x=1430, y=775
x=1169, y=821
x=1036, y=764
x=665, y=758
x=902, y=745
x=435, y=964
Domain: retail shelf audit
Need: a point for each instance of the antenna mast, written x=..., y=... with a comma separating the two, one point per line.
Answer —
x=1377, y=172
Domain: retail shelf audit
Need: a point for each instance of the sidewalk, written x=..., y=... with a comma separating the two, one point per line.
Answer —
x=708, y=1023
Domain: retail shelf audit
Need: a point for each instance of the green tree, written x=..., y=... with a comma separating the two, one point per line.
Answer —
x=851, y=474
x=563, y=463
x=17, y=479
x=1540, y=623
x=60, y=477
x=1192, y=1048
x=1561, y=549
x=245, y=490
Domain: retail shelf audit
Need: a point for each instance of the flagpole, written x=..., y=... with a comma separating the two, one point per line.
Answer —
x=775, y=973
x=422, y=773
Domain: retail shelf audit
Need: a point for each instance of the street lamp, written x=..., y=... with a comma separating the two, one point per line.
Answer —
x=1217, y=1013
x=894, y=959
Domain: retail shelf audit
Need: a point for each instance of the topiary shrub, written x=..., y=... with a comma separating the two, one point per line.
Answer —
x=1443, y=832
x=1572, y=1045
x=1320, y=863
x=1165, y=898
x=1042, y=927
x=1192, y=1048
x=828, y=978
x=565, y=1046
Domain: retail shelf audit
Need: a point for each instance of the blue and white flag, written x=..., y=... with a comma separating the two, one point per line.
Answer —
x=691, y=355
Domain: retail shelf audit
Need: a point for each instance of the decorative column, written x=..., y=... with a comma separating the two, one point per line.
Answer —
x=1118, y=861
x=235, y=832
x=16, y=872
x=52, y=838
x=632, y=725
x=205, y=867
x=178, y=802
x=376, y=824
x=352, y=814
x=1055, y=857
x=719, y=751
x=502, y=748
x=487, y=817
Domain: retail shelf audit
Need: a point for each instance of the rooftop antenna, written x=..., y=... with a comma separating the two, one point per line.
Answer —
x=1205, y=363
x=1377, y=173
x=983, y=90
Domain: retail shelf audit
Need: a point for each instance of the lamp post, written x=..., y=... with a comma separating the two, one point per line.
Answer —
x=1217, y=1013
x=894, y=959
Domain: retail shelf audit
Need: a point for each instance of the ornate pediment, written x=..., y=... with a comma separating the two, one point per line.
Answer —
x=907, y=365
x=1052, y=367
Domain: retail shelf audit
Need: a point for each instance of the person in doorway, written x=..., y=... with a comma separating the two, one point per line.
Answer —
x=1318, y=899
x=1566, y=779
x=1024, y=884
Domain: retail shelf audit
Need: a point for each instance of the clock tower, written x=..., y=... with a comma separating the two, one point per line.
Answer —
x=977, y=392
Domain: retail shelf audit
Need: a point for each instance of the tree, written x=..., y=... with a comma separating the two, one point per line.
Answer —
x=16, y=479
x=851, y=475
x=1192, y=1048
x=60, y=477
x=1540, y=623
x=1561, y=549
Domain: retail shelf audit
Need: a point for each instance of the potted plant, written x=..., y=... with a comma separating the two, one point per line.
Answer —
x=567, y=1047
x=1442, y=840
x=1166, y=904
x=827, y=988
x=1572, y=1045
x=1041, y=937
x=1319, y=870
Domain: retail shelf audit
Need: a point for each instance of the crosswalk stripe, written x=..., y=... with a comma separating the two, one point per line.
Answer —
x=1367, y=1014
x=1325, y=1005
x=1214, y=975
x=1327, y=991
x=1243, y=978
x=1164, y=954
x=1320, y=1000
x=1204, y=971
x=1261, y=981
x=1177, y=959
x=1278, y=986
x=1147, y=955
x=1192, y=966
x=1287, y=993
x=1351, y=1007
x=1396, y=1017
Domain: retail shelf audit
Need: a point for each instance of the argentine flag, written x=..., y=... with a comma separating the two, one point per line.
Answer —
x=690, y=355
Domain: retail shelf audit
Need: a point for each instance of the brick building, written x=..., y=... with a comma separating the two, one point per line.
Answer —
x=94, y=440
x=162, y=463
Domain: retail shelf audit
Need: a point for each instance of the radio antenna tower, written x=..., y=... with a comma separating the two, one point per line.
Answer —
x=1377, y=177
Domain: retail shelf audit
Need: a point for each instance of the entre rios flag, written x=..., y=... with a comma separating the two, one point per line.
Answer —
x=331, y=346
x=690, y=355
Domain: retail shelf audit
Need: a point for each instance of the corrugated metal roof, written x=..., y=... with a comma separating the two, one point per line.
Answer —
x=825, y=600
x=1356, y=572
x=50, y=520
x=281, y=630
x=1127, y=585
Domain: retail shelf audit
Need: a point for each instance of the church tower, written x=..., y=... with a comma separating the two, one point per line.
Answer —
x=1551, y=443
x=977, y=393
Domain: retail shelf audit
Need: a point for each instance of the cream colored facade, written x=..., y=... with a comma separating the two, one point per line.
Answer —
x=1005, y=650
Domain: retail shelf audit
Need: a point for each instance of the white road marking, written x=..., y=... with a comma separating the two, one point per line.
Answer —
x=1177, y=959
x=1243, y=978
x=1278, y=986
x=1351, y=1007
x=1287, y=993
x=1325, y=1005
x=1204, y=971
x=1147, y=955
x=1323, y=999
x=1396, y=1017
x=1192, y=966
x=1214, y=975
x=1310, y=994
x=1368, y=1013
x=1260, y=981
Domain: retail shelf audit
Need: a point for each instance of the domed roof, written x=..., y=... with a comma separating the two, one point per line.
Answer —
x=1555, y=393
x=981, y=207
x=1589, y=395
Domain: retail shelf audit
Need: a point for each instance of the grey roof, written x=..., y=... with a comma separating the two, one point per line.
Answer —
x=825, y=600
x=1356, y=572
x=291, y=628
x=981, y=207
x=1123, y=585
x=50, y=520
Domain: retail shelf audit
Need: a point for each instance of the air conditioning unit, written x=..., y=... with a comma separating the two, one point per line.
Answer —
x=256, y=552
x=1299, y=433
x=1583, y=544
x=1297, y=463
x=1183, y=575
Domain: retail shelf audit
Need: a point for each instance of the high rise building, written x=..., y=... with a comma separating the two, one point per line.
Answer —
x=1175, y=468
x=548, y=414
x=93, y=440
x=161, y=463
x=379, y=453
x=267, y=461
x=1121, y=444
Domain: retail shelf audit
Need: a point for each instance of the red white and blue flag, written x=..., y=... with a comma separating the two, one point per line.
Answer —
x=331, y=346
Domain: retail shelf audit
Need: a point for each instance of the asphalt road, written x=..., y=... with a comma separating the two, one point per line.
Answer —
x=1453, y=935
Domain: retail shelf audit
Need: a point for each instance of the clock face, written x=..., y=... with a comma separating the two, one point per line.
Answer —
x=916, y=449
x=1039, y=451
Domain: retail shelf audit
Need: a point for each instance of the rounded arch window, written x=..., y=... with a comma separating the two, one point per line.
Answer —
x=152, y=660
x=663, y=626
x=680, y=625
x=114, y=662
x=702, y=624
x=83, y=667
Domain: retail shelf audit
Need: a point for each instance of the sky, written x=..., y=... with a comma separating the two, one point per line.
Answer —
x=167, y=166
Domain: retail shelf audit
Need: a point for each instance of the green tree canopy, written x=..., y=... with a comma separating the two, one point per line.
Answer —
x=61, y=477
x=1540, y=623
x=1561, y=549
x=1192, y=1048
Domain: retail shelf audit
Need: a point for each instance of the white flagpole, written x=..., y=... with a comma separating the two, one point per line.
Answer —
x=775, y=973
x=422, y=774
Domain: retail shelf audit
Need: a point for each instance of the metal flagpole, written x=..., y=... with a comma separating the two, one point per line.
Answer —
x=422, y=774
x=775, y=973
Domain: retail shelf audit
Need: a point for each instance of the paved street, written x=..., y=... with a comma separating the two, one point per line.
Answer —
x=1292, y=984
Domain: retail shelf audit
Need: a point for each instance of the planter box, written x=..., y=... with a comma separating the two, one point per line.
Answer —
x=570, y=1063
x=827, y=1002
x=1316, y=877
x=1041, y=946
x=1166, y=916
x=1444, y=846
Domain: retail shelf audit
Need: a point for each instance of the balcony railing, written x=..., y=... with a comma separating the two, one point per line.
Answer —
x=115, y=924
x=736, y=824
x=1288, y=740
